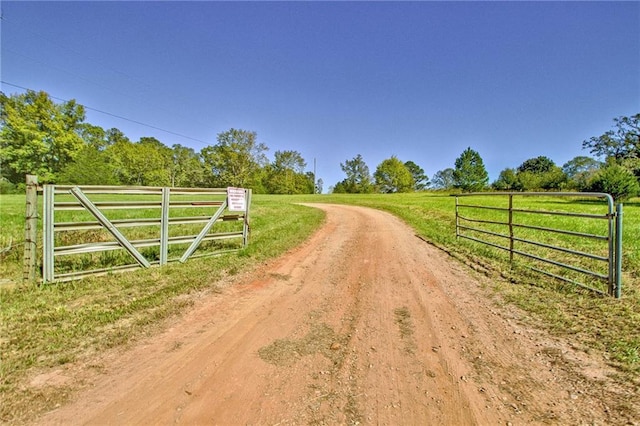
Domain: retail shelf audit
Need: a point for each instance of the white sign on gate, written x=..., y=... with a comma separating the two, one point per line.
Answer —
x=236, y=199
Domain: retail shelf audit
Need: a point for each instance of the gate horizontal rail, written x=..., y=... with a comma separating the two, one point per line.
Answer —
x=212, y=204
x=473, y=227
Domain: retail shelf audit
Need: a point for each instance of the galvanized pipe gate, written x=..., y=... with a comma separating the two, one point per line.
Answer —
x=473, y=226
x=230, y=204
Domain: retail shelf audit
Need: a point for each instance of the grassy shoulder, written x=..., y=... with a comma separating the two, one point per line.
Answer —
x=48, y=326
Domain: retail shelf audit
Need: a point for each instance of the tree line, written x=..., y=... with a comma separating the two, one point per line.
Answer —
x=617, y=172
x=53, y=141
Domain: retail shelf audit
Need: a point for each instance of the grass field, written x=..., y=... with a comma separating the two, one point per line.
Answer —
x=47, y=326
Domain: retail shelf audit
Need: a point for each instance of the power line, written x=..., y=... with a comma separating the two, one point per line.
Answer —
x=100, y=64
x=112, y=115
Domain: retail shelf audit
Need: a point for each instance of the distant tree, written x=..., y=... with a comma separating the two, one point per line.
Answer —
x=114, y=136
x=319, y=184
x=393, y=176
x=286, y=174
x=508, y=181
x=580, y=170
x=443, y=179
x=236, y=160
x=537, y=165
x=143, y=163
x=470, y=174
x=94, y=136
x=38, y=136
x=615, y=180
x=186, y=168
x=540, y=174
x=91, y=167
x=620, y=143
x=358, y=179
x=420, y=179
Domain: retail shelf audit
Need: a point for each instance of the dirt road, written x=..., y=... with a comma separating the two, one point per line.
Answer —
x=363, y=324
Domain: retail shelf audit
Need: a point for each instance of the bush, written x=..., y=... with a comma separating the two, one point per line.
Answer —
x=7, y=187
x=615, y=180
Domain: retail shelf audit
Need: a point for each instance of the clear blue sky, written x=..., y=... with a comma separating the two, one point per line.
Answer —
x=418, y=80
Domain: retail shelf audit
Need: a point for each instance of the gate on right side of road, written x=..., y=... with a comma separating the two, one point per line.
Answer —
x=573, y=237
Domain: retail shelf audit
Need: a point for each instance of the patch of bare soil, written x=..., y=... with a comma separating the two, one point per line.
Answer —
x=363, y=324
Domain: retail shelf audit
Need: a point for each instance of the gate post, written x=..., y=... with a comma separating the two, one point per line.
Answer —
x=30, y=230
x=47, y=233
x=511, y=228
x=618, y=255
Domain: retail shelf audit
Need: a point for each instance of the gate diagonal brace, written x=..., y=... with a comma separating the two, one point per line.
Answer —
x=194, y=245
x=122, y=240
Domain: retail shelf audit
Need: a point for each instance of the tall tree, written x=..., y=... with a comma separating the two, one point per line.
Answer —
x=91, y=167
x=142, y=163
x=622, y=143
x=38, y=136
x=358, y=179
x=420, y=179
x=470, y=174
x=508, y=181
x=443, y=179
x=186, y=168
x=286, y=174
x=580, y=170
x=541, y=173
x=236, y=159
x=393, y=176
x=539, y=164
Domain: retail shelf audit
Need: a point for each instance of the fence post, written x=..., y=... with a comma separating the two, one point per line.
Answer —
x=457, y=219
x=618, y=256
x=245, y=227
x=31, y=230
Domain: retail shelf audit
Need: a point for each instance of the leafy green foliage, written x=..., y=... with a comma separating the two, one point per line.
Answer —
x=358, y=179
x=537, y=165
x=617, y=181
x=91, y=167
x=579, y=171
x=443, y=179
x=393, y=176
x=470, y=174
x=286, y=174
x=37, y=136
x=508, y=181
x=236, y=159
x=420, y=179
x=621, y=142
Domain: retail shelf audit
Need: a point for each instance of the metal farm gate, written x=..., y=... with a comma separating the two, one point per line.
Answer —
x=83, y=226
x=565, y=244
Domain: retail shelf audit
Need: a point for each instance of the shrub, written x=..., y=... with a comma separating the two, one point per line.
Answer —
x=615, y=180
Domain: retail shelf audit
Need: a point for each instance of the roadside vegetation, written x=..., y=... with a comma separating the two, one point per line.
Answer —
x=52, y=325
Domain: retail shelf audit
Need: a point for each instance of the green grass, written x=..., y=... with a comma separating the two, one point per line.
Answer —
x=50, y=325
x=592, y=322
x=47, y=326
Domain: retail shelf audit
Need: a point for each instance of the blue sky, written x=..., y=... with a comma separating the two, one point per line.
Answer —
x=419, y=80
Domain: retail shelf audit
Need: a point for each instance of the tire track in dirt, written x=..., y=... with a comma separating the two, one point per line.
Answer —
x=363, y=324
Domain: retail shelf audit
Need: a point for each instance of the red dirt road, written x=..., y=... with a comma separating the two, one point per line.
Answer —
x=362, y=324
